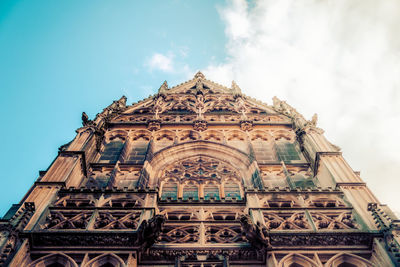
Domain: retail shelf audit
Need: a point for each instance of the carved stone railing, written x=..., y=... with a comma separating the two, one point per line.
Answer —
x=390, y=228
x=11, y=229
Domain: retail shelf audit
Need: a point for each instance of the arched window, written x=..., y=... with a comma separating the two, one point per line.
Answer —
x=232, y=190
x=348, y=260
x=286, y=151
x=106, y=260
x=111, y=152
x=169, y=191
x=297, y=260
x=190, y=191
x=54, y=260
x=137, y=153
x=211, y=191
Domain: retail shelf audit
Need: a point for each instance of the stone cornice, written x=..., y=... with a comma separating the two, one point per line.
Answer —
x=320, y=154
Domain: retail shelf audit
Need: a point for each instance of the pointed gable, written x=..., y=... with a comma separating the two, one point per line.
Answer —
x=199, y=98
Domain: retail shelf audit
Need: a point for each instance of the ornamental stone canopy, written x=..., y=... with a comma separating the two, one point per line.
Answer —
x=199, y=174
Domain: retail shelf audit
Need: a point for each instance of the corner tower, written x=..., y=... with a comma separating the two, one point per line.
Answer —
x=199, y=175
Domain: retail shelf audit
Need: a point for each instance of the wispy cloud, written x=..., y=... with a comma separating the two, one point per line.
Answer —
x=161, y=62
x=339, y=58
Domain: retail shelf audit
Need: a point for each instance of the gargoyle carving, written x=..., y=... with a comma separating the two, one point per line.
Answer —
x=149, y=231
x=257, y=235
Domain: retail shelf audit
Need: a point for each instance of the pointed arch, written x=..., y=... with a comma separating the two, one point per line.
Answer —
x=294, y=259
x=188, y=135
x=348, y=260
x=140, y=135
x=108, y=259
x=288, y=135
x=115, y=135
x=213, y=135
x=53, y=259
x=234, y=158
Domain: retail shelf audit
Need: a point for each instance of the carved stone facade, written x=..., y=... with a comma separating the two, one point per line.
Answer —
x=199, y=175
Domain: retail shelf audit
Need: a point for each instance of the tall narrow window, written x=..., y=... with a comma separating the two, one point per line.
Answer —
x=232, y=191
x=263, y=151
x=111, y=152
x=211, y=191
x=190, y=192
x=286, y=151
x=137, y=154
x=169, y=191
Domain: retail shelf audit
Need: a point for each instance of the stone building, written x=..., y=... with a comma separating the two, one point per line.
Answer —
x=199, y=175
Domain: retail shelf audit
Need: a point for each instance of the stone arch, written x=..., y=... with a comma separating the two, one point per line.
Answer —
x=287, y=135
x=164, y=135
x=213, y=135
x=52, y=259
x=294, y=260
x=188, y=135
x=190, y=189
x=258, y=135
x=235, y=135
x=140, y=135
x=115, y=135
x=347, y=260
x=233, y=157
x=169, y=188
x=108, y=258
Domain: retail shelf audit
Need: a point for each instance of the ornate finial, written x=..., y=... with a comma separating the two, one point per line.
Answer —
x=85, y=119
x=314, y=119
x=163, y=88
x=236, y=89
x=123, y=100
x=276, y=102
x=199, y=75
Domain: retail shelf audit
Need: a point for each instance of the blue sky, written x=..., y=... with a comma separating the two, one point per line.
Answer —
x=59, y=58
x=338, y=58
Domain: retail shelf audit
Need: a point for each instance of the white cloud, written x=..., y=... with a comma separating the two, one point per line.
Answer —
x=161, y=62
x=339, y=58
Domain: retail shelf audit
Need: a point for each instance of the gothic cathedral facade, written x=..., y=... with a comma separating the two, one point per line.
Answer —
x=199, y=175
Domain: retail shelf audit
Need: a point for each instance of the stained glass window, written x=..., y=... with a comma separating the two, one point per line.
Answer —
x=232, y=191
x=169, y=191
x=263, y=151
x=137, y=154
x=211, y=191
x=190, y=191
x=111, y=152
x=286, y=152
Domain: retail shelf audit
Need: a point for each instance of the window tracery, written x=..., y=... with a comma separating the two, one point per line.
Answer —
x=56, y=259
x=200, y=177
x=348, y=260
x=334, y=220
x=105, y=260
x=286, y=221
x=117, y=220
x=295, y=259
x=112, y=151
